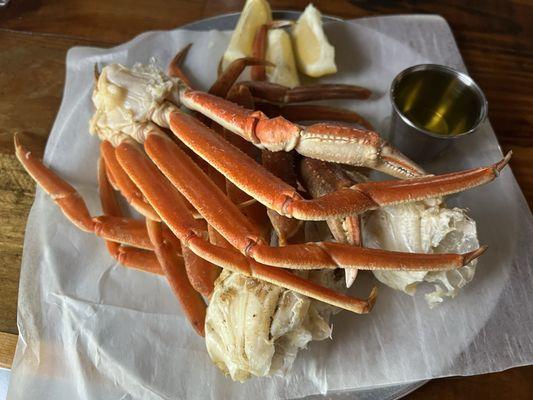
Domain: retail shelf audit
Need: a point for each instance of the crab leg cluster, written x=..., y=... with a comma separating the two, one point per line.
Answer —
x=322, y=178
x=174, y=269
x=159, y=174
x=172, y=208
x=280, y=164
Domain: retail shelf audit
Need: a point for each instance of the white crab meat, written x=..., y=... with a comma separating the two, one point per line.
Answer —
x=254, y=328
x=126, y=100
x=423, y=227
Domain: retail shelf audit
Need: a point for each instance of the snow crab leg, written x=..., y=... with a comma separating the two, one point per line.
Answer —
x=128, y=256
x=123, y=183
x=258, y=72
x=281, y=164
x=161, y=194
x=170, y=206
x=325, y=91
x=173, y=267
x=330, y=142
x=277, y=195
x=320, y=179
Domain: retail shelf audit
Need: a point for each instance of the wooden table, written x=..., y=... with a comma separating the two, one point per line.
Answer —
x=495, y=39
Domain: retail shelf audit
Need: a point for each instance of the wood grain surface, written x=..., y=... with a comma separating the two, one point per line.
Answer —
x=8, y=342
x=494, y=37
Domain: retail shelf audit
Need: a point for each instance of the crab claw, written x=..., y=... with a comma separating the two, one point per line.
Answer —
x=354, y=146
x=394, y=163
x=324, y=141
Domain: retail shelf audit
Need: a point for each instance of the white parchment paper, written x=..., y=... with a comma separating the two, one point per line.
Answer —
x=90, y=329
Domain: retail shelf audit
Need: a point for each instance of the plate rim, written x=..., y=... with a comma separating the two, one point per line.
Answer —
x=199, y=23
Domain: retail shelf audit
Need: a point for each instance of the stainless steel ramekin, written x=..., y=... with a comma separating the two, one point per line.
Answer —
x=432, y=107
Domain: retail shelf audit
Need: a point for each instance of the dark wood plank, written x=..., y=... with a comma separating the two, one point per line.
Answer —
x=32, y=75
x=516, y=383
x=16, y=197
x=101, y=20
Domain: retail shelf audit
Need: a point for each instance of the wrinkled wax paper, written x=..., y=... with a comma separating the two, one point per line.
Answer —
x=90, y=329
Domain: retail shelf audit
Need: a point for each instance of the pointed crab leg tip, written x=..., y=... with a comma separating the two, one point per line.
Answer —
x=371, y=301
x=469, y=257
x=182, y=53
x=20, y=151
x=174, y=67
x=16, y=141
x=250, y=61
x=501, y=164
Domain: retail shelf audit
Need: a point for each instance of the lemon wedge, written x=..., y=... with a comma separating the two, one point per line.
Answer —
x=279, y=52
x=254, y=14
x=314, y=54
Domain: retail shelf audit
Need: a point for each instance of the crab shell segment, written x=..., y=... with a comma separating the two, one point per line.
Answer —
x=254, y=328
